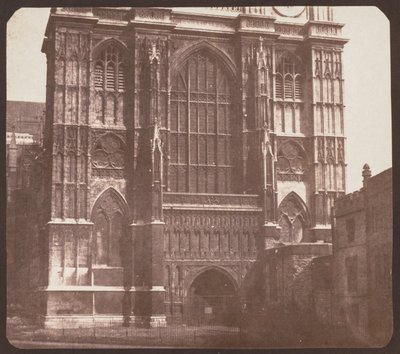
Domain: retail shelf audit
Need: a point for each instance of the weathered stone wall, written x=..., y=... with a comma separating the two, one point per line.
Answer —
x=362, y=262
x=379, y=210
x=290, y=292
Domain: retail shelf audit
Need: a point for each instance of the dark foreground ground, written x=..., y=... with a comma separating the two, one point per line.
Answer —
x=23, y=332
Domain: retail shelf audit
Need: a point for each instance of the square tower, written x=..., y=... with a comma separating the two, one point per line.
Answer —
x=181, y=142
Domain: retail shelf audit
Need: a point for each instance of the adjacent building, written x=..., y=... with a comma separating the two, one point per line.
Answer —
x=339, y=293
x=27, y=120
x=362, y=261
x=23, y=145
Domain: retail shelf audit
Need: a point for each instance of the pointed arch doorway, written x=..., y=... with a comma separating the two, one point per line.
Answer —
x=212, y=298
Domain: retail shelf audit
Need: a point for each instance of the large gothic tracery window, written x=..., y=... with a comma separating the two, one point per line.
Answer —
x=201, y=127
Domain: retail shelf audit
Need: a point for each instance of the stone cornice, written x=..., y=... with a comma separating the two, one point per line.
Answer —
x=162, y=18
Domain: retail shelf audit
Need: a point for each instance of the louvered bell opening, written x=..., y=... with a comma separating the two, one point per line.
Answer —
x=98, y=76
x=298, y=89
x=278, y=87
x=110, y=77
x=121, y=78
x=288, y=88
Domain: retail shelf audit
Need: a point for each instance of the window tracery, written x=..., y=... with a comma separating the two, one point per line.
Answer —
x=288, y=80
x=291, y=162
x=109, y=83
x=201, y=127
x=292, y=220
x=108, y=153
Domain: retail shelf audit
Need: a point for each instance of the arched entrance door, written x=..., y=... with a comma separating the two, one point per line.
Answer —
x=212, y=299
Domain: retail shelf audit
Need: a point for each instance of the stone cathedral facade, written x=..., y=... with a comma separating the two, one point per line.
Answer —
x=179, y=144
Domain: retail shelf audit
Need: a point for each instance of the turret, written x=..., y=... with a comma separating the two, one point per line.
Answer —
x=366, y=173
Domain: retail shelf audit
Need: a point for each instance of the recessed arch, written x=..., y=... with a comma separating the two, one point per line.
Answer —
x=294, y=218
x=110, y=237
x=192, y=277
x=113, y=193
x=212, y=297
x=291, y=55
x=294, y=196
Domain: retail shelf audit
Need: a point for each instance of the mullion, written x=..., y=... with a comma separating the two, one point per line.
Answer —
x=216, y=132
x=188, y=128
x=197, y=123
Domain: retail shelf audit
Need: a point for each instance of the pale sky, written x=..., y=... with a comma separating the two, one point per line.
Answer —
x=366, y=62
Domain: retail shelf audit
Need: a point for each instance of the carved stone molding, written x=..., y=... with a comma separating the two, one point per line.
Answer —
x=289, y=30
x=211, y=199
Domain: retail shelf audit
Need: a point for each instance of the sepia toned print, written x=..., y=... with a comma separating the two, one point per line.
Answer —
x=186, y=186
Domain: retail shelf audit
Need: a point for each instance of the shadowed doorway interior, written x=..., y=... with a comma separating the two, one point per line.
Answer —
x=212, y=300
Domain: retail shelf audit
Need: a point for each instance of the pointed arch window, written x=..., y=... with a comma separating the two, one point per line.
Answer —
x=109, y=73
x=292, y=219
x=202, y=127
x=288, y=79
x=109, y=83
